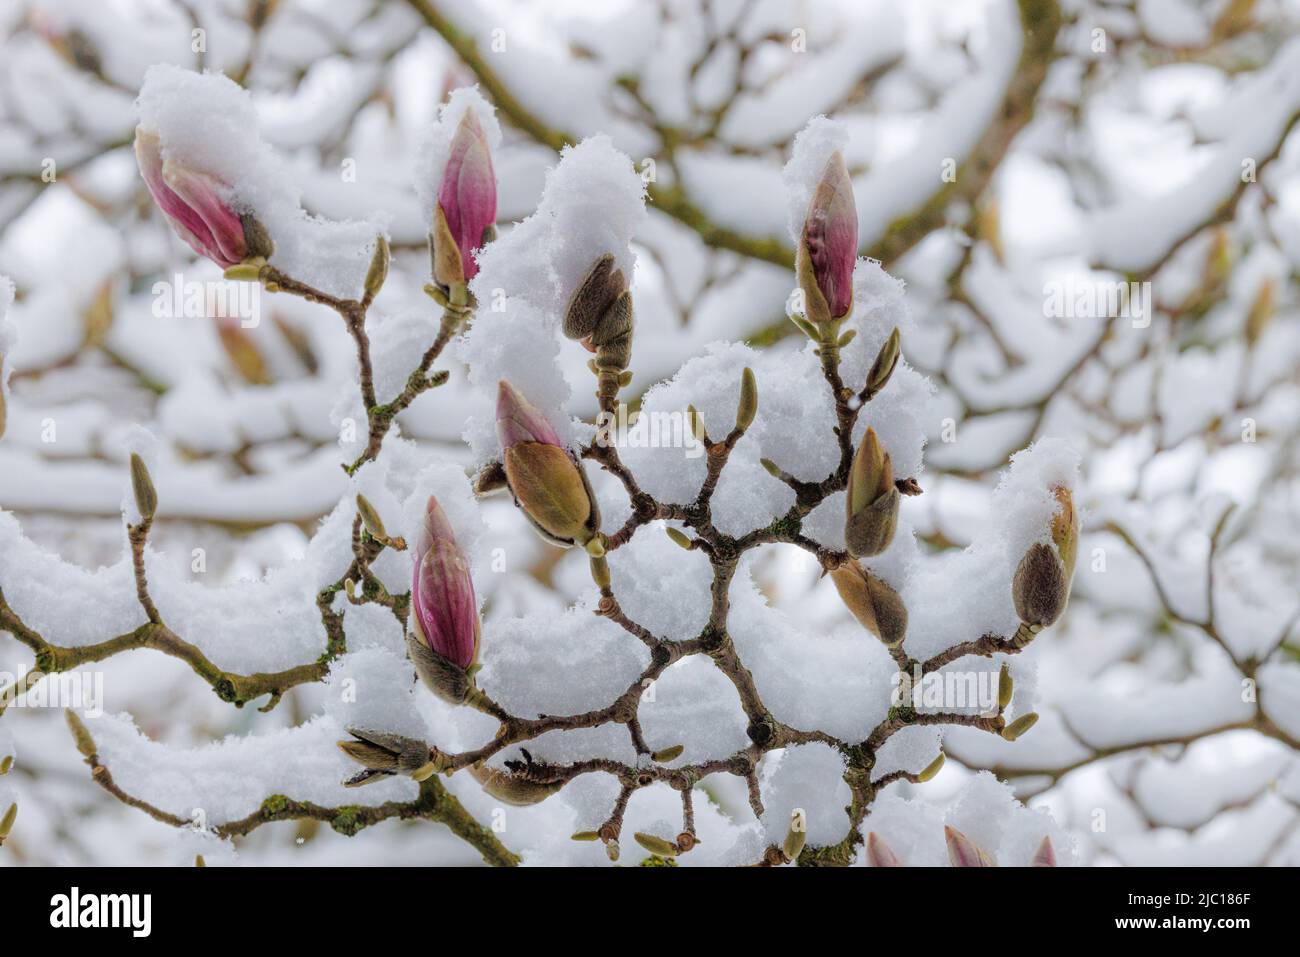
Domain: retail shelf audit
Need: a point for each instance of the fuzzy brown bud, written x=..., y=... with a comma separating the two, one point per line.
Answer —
x=146, y=499
x=513, y=789
x=876, y=606
x=871, y=502
x=383, y=754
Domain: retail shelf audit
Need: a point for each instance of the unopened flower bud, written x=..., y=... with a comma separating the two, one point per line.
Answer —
x=871, y=500
x=931, y=769
x=513, y=789
x=876, y=606
x=886, y=361
x=593, y=304
x=146, y=499
x=611, y=851
x=1041, y=586
x=1045, y=856
x=466, y=207
x=444, y=621
x=545, y=479
x=586, y=836
x=829, y=246
x=1006, y=686
x=6, y=764
x=963, y=852
x=199, y=861
x=656, y=845
x=878, y=852
x=198, y=206
x=747, y=408
x=1018, y=727
x=382, y=754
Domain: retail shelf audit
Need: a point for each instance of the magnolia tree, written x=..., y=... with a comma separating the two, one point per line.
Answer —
x=752, y=622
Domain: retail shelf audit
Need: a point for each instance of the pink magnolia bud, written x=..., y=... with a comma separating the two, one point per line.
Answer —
x=1045, y=856
x=878, y=852
x=467, y=204
x=963, y=852
x=194, y=201
x=546, y=481
x=444, y=611
x=829, y=245
x=518, y=420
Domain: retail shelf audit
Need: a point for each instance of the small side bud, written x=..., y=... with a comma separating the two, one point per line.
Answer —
x=80, y=735
x=656, y=845
x=611, y=851
x=248, y=271
x=146, y=499
x=696, y=423
x=883, y=367
x=6, y=764
x=773, y=469
x=795, y=838
x=664, y=755
x=600, y=571
x=378, y=270
x=1018, y=727
x=931, y=769
x=7, y=822
x=748, y=406
x=1261, y=312
x=199, y=861
x=586, y=836
x=370, y=519
x=1005, y=687
x=679, y=537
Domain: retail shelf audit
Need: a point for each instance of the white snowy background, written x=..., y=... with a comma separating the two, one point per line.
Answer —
x=1158, y=147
